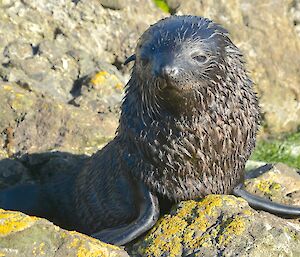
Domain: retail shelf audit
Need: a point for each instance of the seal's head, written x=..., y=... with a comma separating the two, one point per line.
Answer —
x=180, y=55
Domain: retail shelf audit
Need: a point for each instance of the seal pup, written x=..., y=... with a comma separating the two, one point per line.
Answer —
x=188, y=125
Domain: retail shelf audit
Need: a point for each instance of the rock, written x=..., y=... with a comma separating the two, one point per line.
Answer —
x=226, y=225
x=274, y=66
x=22, y=235
x=113, y=4
x=101, y=92
x=278, y=182
x=33, y=123
x=295, y=13
x=49, y=45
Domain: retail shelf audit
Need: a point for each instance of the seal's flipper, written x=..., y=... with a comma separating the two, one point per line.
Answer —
x=148, y=215
x=24, y=198
x=260, y=203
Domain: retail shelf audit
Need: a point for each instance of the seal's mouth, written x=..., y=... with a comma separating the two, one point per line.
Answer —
x=174, y=86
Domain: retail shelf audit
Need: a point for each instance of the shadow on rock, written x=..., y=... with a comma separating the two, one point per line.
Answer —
x=38, y=167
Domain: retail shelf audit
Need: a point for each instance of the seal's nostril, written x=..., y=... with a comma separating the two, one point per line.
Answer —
x=168, y=71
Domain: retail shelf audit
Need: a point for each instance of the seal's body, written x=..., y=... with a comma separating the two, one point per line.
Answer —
x=188, y=125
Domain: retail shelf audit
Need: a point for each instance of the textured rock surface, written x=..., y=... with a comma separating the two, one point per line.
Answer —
x=48, y=45
x=265, y=32
x=60, y=90
x=227, y=226
x=277, y=182
x=31, y=123
x=21, y=235
x=295, y=12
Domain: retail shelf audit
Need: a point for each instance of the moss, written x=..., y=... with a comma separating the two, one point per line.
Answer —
x=11, y=222
x=162, y=4
x=285, y=150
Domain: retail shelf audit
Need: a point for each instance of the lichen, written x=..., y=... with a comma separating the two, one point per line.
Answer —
x=169, y=240
x=103, y=77
x=185, y=227
x=89, y=247
x=234, y=226
x=163, y=5
x=195, y=224
x=93, y=251
x=11, y=222
x=266, y=186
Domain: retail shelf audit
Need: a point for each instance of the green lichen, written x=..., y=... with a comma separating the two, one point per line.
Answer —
x=285, y=150
x=162, y=4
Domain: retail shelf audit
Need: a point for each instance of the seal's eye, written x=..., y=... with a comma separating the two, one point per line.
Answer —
x=144, y=61
x=200, y=58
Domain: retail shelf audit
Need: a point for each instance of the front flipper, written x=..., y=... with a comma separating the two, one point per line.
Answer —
x=260, y=203
x=148, y=215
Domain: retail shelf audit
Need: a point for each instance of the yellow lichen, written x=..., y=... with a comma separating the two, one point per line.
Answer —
x=210, y=203
x=92, y=252
x=193, y=225
x=169, y=241
x=266, y=185
x=119, y=86
x=79, y=239
x=74, y=243
x=99, y=78
x=236, y=226
x=41, y=248
x=11, y=222
x=186, y=209
x=7, y=87
x=103, y=77
x=248, y=212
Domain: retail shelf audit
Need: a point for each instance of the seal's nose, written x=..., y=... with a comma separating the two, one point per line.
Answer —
x=167, y=72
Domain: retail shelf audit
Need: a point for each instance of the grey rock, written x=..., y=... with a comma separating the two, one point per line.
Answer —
x=295, y=13
x=113, y=4
x=33, y=123
x=22, y=235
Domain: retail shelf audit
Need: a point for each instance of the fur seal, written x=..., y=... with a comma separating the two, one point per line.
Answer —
x=187, y=127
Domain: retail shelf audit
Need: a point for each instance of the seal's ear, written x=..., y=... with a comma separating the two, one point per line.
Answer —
x=130, y=59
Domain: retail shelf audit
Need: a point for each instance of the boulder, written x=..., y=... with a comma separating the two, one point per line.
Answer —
x=34, y=123
x=22, y=235
x=223, y=225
